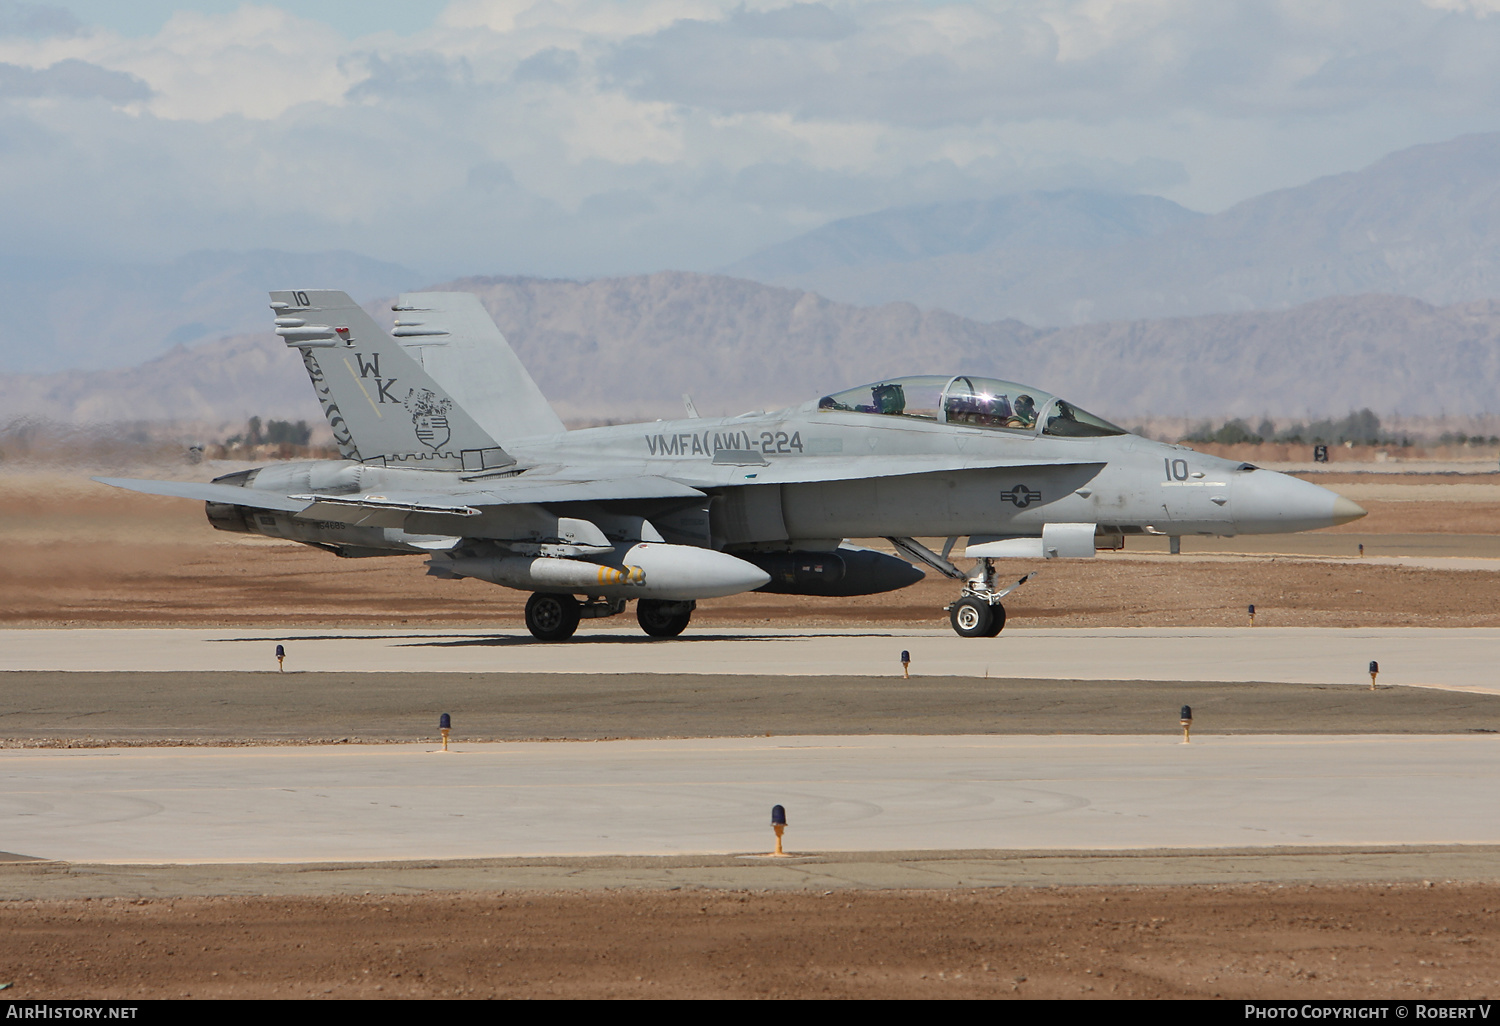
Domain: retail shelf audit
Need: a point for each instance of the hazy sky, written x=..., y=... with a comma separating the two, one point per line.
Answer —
x=582, y=137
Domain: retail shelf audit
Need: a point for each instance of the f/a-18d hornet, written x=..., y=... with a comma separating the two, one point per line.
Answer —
x=450, y=450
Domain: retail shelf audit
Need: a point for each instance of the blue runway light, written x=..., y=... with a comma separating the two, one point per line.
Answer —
x=778, y=824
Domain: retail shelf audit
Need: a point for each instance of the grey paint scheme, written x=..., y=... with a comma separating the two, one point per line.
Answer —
x=458, y=453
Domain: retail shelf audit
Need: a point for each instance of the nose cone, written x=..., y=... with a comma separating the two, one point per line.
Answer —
x=1344, y=511
x=1266, y=502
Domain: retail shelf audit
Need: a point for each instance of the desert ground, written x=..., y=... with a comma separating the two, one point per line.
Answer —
x=1421, y=940
x=80, y=554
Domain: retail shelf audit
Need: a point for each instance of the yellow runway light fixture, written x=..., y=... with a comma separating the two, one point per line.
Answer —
x=1186, y=718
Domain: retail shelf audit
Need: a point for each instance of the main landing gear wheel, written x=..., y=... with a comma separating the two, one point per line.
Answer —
x=972, y=618
x=662, y=619
x=551, y=617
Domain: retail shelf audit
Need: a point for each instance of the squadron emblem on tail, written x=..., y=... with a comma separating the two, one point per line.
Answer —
x=429, y=415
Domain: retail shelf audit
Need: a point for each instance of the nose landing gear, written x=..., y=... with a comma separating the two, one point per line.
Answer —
x=978, y=612
x=972, y=618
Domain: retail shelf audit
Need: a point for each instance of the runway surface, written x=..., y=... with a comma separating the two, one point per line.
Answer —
x=365, y=803
x=1453, y=658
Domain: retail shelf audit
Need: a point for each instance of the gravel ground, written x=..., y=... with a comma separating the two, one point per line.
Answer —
x=78, y=554
x=1368, y=941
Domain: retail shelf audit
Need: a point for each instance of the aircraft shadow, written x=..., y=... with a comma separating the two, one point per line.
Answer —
x=502, y=640
x=599, y=639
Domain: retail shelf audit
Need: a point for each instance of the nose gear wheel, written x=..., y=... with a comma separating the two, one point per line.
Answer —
x=978, y=612
x=975, y=618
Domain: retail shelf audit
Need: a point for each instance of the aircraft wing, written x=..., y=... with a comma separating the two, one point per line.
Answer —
x=389, y=509
x=812, y=469
x=233, y=494
x=578, y=484
x=580, y=488
x=387, y=505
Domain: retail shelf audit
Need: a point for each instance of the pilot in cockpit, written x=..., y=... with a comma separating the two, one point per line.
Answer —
x=1024, y=415
x=889, y=397
x=978, y=410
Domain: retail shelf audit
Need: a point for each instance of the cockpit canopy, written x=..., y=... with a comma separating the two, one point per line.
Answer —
x=972, y=402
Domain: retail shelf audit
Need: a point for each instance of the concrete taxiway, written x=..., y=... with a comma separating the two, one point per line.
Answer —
x=371, y=803
x=1461, y=658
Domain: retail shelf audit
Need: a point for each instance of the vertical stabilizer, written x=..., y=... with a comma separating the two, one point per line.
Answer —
x=383, y=407
x=456, y=341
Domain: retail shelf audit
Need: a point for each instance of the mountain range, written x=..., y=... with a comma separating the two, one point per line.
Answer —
x=1368, y=289
x=623, y=349
x=1422, y=222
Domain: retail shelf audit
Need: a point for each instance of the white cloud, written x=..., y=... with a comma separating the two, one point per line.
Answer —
x=589, y=136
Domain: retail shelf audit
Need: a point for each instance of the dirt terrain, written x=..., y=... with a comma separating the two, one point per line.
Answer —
x=81, y=554
x=1367, y=941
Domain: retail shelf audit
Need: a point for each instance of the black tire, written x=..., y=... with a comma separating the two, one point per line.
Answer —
x=551, y=617
x=972, y=618
x=663, y=619
x=997, y=611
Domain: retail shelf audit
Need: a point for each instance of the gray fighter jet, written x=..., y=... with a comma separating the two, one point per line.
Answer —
x=450, y=450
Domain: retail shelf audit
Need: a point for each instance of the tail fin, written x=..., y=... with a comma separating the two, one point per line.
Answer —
x=383, y=407
x=456, y=341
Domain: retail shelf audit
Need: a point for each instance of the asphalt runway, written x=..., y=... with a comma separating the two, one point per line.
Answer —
x=1452, y=658
x=390, y=802
x=236, y=707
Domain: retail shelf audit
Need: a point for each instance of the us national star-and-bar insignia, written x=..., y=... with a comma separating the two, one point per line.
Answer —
x=1021, y=496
